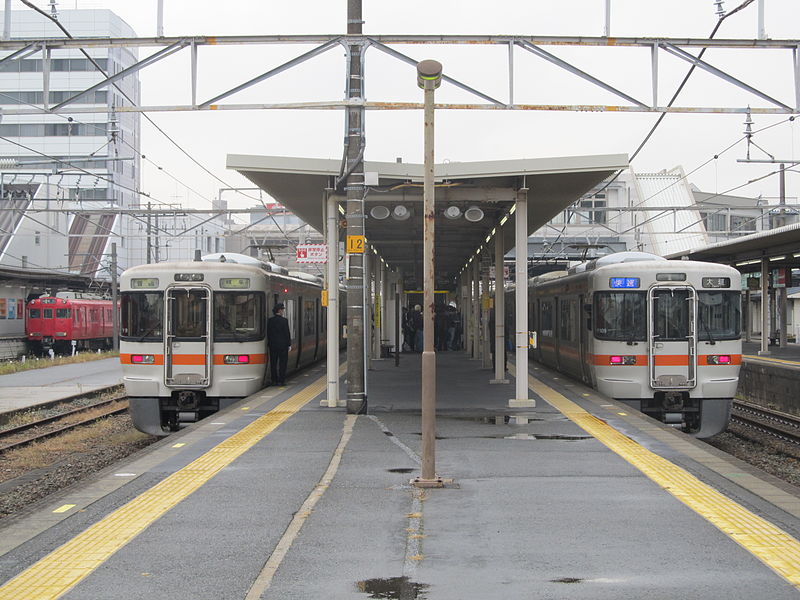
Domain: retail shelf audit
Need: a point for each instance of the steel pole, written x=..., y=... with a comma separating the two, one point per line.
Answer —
x=521, y=299
x=475, y=326
x=333, y=300
x=499, y=311
x=354, y=186
x=428, y=350
x=429, y=74
x=7, y=21
x=114, y=305
x=486, y=335
x=764, y=307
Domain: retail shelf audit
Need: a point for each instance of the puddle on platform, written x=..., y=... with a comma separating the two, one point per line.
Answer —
x=399, y=588
x=538, y=436
x=566, y=580
x=401, y=470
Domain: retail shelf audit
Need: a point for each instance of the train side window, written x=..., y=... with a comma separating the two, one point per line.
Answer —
x=546, y=318
x=48, y=313
x=239, y=316
x=566, y=330
x=290, y=316
x=34, y=313
x=62, y=313
x=309, y=316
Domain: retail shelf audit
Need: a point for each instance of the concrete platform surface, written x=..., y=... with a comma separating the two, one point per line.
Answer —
x=29, y=388
x=279, y=498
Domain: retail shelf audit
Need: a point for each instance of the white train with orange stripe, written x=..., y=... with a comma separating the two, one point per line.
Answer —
x=659, y=335
x=193, y=334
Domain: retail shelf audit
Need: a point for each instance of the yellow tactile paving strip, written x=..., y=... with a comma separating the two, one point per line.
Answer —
x=781, y=361
x=66, y=566
x=773, y=546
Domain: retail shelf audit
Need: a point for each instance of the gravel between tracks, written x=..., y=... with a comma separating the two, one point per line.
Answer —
x=778, y=458
x=22, y=486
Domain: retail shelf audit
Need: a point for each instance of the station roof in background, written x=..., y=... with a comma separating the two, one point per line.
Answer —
x=554, y=183
x=745, y=253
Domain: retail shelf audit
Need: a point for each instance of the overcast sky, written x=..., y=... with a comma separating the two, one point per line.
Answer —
x=687, y=140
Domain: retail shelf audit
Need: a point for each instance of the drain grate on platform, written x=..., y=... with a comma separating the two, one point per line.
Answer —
x=567, y=580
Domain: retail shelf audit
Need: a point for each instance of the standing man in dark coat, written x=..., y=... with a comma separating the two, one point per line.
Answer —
x=279, y=341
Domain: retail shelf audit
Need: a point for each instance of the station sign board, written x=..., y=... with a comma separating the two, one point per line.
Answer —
x=312, y=253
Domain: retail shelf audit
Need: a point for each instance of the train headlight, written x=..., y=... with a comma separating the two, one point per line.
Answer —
x=236, y=359
x=622, y=360
x=143, y=359
x=722, y=359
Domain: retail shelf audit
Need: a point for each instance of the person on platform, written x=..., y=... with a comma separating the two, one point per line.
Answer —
x=279, y=341
x=417, y=323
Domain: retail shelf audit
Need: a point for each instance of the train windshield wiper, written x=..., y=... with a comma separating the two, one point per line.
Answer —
x=711, y=339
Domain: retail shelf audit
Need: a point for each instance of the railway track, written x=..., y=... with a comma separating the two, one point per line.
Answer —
x=40, y=429
x=771, y=422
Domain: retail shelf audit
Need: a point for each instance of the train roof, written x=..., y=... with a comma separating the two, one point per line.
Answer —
x=214, y=262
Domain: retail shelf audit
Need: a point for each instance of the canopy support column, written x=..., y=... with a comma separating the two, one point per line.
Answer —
x=521, y=299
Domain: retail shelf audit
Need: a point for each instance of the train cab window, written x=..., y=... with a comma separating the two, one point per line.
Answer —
x=48, y=313
x=239, y=316
x=63, y=313
x=671, y=320
x=189, y=314
x=719, y=316
x=141, y=316
x=34, y=313
x=620, y=316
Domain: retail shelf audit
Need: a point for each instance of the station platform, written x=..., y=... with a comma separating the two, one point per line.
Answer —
x=788, y=356
x=27, y=389
x=280, y=498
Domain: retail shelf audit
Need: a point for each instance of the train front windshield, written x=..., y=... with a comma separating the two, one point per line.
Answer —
x=621, y=316
x=238, y=316
x=719, y=315
x=142, y=316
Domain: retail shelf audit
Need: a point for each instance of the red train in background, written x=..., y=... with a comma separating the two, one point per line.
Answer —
x=55, y=322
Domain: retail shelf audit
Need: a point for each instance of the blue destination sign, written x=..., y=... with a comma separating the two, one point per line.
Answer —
x=624, y=282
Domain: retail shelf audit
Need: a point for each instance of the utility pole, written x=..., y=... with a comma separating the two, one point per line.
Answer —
x=356, y=244
x=114, y=306
x=149, y=232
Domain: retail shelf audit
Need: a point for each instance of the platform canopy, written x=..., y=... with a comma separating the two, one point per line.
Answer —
x=553, y=184
x=780, y=245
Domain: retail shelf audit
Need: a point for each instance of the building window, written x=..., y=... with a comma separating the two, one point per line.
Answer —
x=52, y=129
x=583, y=213
x=96, y=97
x=742, y=224
x=36, y=65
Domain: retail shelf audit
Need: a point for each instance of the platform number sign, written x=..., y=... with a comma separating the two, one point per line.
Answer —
x=355, y=244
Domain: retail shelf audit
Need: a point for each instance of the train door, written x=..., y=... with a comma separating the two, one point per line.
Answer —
x=672, y=337
x=187, y=352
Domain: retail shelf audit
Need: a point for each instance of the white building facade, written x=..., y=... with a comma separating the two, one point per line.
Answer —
x=52, y=164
